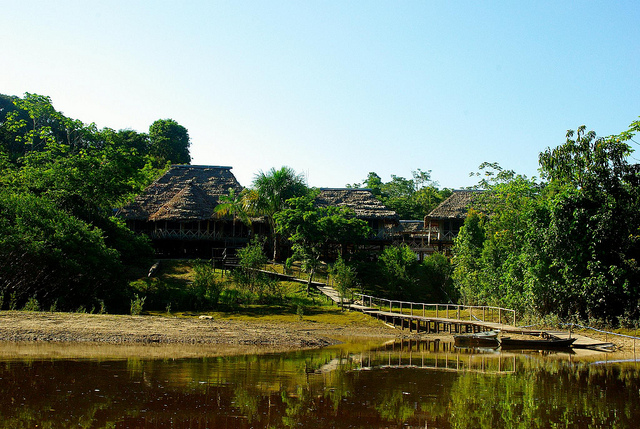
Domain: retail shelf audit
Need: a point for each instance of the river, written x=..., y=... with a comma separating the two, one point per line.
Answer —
x=427, y=384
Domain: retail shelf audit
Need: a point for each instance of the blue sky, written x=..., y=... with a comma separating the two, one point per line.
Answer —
x=336, y=89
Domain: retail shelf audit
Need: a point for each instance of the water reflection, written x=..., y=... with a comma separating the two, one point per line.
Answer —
x=410, y=384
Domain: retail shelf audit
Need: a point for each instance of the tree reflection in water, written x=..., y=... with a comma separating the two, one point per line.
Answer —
x=415, y=385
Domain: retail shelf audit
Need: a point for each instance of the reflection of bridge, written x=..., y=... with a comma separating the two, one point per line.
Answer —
x=429, y=355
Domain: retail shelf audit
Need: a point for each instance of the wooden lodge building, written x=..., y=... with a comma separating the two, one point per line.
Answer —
x=442, y=224
x=436, y=232
x=366, y=206
x=177, y=213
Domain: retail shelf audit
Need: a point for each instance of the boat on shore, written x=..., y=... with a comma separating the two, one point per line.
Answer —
x=538, y=344
x=477, y=339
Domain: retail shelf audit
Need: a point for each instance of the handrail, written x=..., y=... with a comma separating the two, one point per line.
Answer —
x=457, y=308
x=601, y=331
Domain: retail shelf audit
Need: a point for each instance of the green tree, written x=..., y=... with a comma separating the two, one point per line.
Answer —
x=206, y=286
x=169, y=142
x=397, y=264
x=436, y=278
x=593, y=230
x=312, y=229
x=68, y=177
x=47, y=254
x=269, y=195
x=568, y=246
x=252, y=260
x=344, y=277
x=466, y=258
x=236, y=206
x=411, y=198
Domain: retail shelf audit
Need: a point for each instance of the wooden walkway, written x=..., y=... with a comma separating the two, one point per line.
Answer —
x=426, y=324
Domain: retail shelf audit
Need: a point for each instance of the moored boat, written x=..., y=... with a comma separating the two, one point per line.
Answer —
x=478, y=339
x=552, y=343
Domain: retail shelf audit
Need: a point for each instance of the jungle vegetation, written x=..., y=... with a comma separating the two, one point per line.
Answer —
x=566, y=244
x=60, y=180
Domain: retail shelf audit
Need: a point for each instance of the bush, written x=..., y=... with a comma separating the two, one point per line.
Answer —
x=31, y=305
x=205, y=289
x=136, y=305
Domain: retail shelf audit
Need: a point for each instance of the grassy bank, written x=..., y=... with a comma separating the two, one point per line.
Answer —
x=171, y=291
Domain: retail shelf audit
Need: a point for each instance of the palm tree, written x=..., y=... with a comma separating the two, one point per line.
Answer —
x=234, y=205
x=270, y=192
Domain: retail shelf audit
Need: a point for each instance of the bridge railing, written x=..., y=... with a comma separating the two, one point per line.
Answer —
x=482, y=313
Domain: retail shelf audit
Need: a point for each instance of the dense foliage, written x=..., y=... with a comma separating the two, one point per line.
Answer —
x=567, y=246
x=60, y=181
x=315, y=231
x=410, y=198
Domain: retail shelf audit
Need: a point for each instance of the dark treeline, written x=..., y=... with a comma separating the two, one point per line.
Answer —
x=60, y=180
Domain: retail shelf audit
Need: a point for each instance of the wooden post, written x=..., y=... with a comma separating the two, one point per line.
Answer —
x=436, y=310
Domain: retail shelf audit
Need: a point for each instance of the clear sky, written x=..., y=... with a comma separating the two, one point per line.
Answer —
x=336, y=89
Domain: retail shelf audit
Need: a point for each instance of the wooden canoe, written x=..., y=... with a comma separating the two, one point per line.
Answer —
x=554, y=343
x=478, y=339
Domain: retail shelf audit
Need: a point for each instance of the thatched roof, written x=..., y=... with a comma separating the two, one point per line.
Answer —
x=456, y=206
x=361, y=201
x=184, y=192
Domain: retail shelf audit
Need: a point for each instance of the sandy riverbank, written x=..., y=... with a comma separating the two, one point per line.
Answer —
x=229, y=335
x=41, y=333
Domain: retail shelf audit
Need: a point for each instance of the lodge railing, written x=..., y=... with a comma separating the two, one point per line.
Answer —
x=482, y=313
x=194, y=235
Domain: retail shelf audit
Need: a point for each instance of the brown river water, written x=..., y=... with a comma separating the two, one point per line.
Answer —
x=427, y=384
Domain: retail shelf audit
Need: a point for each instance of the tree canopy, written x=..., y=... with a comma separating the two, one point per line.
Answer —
x=311, y=229
x=60, y=182
x=410, y=198
x=169, y=142
x=270, y=193
x=567, y=246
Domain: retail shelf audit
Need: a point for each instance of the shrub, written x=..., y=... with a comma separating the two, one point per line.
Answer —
x=31, y=305
x=205, y=288
x=136, y=305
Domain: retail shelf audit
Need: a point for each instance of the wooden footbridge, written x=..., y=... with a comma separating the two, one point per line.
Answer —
x=437, y=318
x=449, y=318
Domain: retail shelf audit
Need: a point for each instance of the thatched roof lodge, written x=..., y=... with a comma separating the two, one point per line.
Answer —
x=365, y=206
x=184, y=192
x=444, y=222
x=177, y=211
